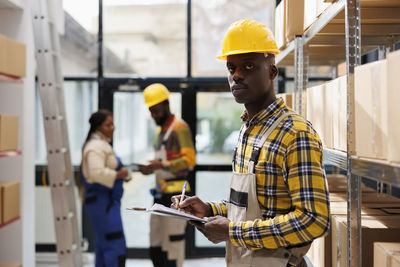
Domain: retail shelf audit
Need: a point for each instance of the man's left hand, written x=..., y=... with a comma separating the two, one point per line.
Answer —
x=216, y=229
x=155, y=164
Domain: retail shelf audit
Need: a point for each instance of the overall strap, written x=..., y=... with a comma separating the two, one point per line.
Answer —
x=169, y=131
x=258, y=145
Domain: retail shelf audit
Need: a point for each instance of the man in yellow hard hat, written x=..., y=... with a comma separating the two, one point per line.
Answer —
x=174, y=157
x=278, y=202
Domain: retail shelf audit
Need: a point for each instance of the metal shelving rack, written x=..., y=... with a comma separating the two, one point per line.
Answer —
x=344, y=31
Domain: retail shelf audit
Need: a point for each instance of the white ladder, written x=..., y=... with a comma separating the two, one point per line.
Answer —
x=50, y=81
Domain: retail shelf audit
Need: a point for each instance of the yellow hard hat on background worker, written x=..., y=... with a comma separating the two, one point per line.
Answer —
x=248, y=36
x=155, y=94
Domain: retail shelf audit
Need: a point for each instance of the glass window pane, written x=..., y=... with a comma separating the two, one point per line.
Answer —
x=133, y=142
x=137, y=224
x=218, y=125
x=147, y=37
x=217, y=192
x=80, y=102
x=211, y=19
x=79, y=42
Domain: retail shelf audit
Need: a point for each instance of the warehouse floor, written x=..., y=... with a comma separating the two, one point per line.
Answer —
x=50, y=260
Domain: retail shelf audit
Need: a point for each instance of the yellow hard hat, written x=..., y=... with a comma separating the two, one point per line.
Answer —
x=155, y=94
x=248, y=36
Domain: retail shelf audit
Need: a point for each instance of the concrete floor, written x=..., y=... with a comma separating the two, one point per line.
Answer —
x=50, y=260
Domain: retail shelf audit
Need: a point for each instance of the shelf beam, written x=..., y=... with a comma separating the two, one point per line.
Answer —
x=11, y=153
x=335, y=158
x=376, y=170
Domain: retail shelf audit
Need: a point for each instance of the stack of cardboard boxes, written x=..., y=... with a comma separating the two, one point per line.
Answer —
x=380, y=223
x=326, y=110
x=376, y=110
x=377, y=107
x=12, y=63
x=293, y=17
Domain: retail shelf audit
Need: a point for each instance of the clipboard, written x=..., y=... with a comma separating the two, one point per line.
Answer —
x=161, y=210
x=134, y=166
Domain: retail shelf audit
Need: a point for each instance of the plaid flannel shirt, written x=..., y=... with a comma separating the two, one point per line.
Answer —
x=290, y=179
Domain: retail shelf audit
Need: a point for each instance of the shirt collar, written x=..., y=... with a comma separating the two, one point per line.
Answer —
x=272, y=110
x=99, y=135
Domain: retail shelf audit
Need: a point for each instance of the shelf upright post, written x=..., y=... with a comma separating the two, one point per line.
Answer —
x=353, y=59
x=301, y=61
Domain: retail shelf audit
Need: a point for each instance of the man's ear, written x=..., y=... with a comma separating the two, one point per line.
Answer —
x=273, y=71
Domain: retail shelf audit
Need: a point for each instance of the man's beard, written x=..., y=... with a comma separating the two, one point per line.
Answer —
x=162, y=120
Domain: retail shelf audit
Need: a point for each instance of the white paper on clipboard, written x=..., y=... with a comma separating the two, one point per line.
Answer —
x=161, y=210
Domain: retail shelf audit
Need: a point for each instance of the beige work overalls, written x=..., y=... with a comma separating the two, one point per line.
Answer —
x=243, y=206
x=163, y=228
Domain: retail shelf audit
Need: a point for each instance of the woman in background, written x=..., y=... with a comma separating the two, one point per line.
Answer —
x=102, y=176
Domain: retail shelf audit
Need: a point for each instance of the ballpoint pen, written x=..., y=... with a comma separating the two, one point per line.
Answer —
x=183, y=194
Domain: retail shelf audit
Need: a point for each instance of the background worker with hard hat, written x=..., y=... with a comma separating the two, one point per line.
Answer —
x=174, y=158
x=278, y=202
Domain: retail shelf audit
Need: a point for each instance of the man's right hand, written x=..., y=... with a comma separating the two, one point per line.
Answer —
x=146, y=169
x=192, y=205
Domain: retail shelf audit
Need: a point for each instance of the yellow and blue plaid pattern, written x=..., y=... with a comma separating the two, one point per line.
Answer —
x=291, y=183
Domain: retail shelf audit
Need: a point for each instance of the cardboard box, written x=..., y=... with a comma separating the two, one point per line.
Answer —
x=320, y=251
x=370, y=96
x=12, y=57
x=10, y=264
x=392, y=211
x=321, y=7
x=341, y=131
x=384, y=252
x=337, y=183
x=294, y=13
x=3, y=53
x=316, y=109
x=341, y=69
x=288, y=99
x=380, y=3
x=396, y=261
x=393, y=106
x=367, y=198
x=304, y=103
x=8, y=132
x=339, y=114
x=280, y=25
x=374, y=229
x=331, y=89
x=310, y=13
x=10, y=200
